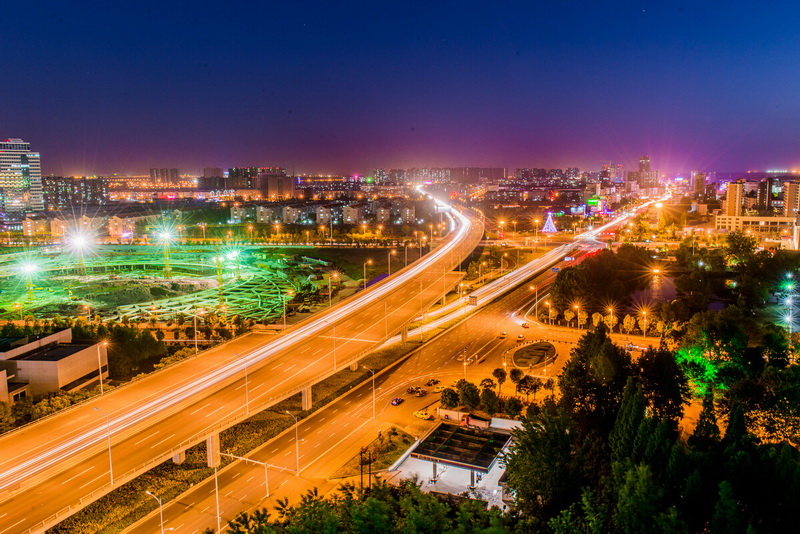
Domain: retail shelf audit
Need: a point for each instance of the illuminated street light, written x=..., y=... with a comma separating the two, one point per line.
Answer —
x=28, y=269
x=165, y=237
x=79, y=242
x=391, y=252
x=283, y=300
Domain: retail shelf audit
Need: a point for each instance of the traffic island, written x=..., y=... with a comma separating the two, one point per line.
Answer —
x=533, y=354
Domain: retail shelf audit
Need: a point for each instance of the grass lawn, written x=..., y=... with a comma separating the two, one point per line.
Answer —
x=388, y=448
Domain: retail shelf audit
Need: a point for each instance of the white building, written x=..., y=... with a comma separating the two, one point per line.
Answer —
x=323, y=215
x=20, y=179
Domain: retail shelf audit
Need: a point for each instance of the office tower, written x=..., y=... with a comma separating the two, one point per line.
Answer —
x=164, y=176
x=275, y=185
x=243, y=177
x=647, y=178
x=644, y=164
x=20, y=179
x=791, y=199
x=212, y=172
x=734, y=198
x=699, y=184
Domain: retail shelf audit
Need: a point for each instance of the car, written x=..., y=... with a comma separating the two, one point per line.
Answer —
x=412, y=389
x=423, y=414
x=397, y=401
x=525, y=325
x=439, y=388
x=421, y=392
x=521, y=337
x=432, y=382
x=503, y=335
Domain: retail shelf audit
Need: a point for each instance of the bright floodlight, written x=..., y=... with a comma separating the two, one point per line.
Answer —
x=78, y=242
x=28, y=267
x=165, y=236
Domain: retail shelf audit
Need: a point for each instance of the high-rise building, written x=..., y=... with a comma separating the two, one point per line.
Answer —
x=212, y=172
x=699, y=184
x=164, y=176
x=791, y=199
x=275, y=185
x=765, y=196
x=60, y=193
x=647, y=178
x=20, y=179
x=734, y=199
x=244, y=177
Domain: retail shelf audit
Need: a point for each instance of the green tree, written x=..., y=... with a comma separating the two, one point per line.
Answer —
x=513, y=407
x=449, y=398
x=726, y=519
x=7, y=419
x=664, y=384
x=516, y=375
x=500, y=375
x=489, y=401
x=628, y=323
x=639, y=509
x=629, y=418
x=740, y=248
x=569, y=315
x=706, y=432
x=469, y=395
x=487, y=383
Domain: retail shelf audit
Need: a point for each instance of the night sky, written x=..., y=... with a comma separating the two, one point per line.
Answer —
x=348, y=86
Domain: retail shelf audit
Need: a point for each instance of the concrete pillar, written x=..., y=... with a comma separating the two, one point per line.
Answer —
x=306, y=398
x=444, y=299
x=354, y=366
x=471, y=479
x=179, y=458
x=434, y=470
x=404, y=334
x=212, y=450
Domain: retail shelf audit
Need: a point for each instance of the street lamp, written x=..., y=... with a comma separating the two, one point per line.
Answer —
x=644, y=332
x=160, y=510
x=536, y=302
x=194, y=317
x=536, y=235
x=368, y=262
x=264, y=464
x=549, y=313
x=296, y=440
x=391, y=253
x=578, y=317
x=110, y=457
x=203, y=228
x=330, y=291
x=28, y=268
x=100, y=364
x=613, y=317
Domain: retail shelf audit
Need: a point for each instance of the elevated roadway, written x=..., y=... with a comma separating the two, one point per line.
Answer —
x=54, y=467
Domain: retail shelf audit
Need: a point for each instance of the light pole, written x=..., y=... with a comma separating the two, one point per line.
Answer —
x=465, y=367
x=160, y=510
x=266, y=474
x=536, y=236
x=330, y=291
x=549, y=313
x=110, y=457
x=613, y=317
x=480, y=271
x=203, y=227
x=194, y=318
x=100, y=364
x=536, y=302
x=368, y=262
x=296, y=440
x=373, y=390
x=644, y=332
x=216, y=497
x=405, y=246
x=391, y=252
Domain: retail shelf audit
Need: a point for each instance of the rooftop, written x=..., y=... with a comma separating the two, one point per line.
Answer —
x=52, y=353
x=463, y=447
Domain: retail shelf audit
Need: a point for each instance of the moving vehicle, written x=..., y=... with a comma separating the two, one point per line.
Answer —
x=423, y=414
x=397, y=401
x=504, y=335
x=525, y=325
x=521, y=337
x=412, y=389
x=420, y=392
x=432, y=382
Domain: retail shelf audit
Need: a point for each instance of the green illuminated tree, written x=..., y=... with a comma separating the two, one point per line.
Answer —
x=569, y=315
x=628, y=323
x=706, y=433
x=449, y=398
x=727, y=518
x=664, y=384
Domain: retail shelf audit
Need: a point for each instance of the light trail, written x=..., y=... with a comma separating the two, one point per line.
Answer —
x=460, y=225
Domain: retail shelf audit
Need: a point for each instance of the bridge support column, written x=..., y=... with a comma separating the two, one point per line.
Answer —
x=404, y=334
x=212, y=450
x=444, y=299
x=354, y=366
x=306, y=401
x=179, y=458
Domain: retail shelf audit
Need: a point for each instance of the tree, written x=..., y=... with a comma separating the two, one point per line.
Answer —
x=596, y=318
x=569, y=315
x=628, y=323
x=644, y=324
x=490, y=402
x=706, y=433
x=513, y=407
x=553, y=314
x=500, y=375
x=664, y=384
x=529, y=384
x=740, y=248
x=610, y=321
x=544, y=463
x=582, y=318
x=449, y=398
x=629, y=418
x=7, y=419
x=727, y=518
x=638, y=507
x=487, y=383
x=516, y=375
x=469, y=395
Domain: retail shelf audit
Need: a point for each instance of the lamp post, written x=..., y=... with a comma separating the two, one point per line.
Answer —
x=536, y=236
x=110, y=457
x=203, y=227
x=536, y=302
x=296, y=440
x=100, y=364
x=368, y=262
x=194, y=318
x=330, y=291
x=391, y=252
x=613, y=317
x=165, y=236
x=549, y=313
x=578, y=316
x=266, y=474
x=160, y=510
x=501, y=224
x=644, y=332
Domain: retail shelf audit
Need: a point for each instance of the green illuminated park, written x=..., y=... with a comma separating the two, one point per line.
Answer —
x=162, y=281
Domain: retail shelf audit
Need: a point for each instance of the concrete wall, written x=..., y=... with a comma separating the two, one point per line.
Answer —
x=48, y=376
x=62, y=336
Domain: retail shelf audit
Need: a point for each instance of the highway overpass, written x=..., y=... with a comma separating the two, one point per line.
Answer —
x=56, y=466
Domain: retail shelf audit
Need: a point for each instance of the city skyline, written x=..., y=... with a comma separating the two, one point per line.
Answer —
x=345, y=88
